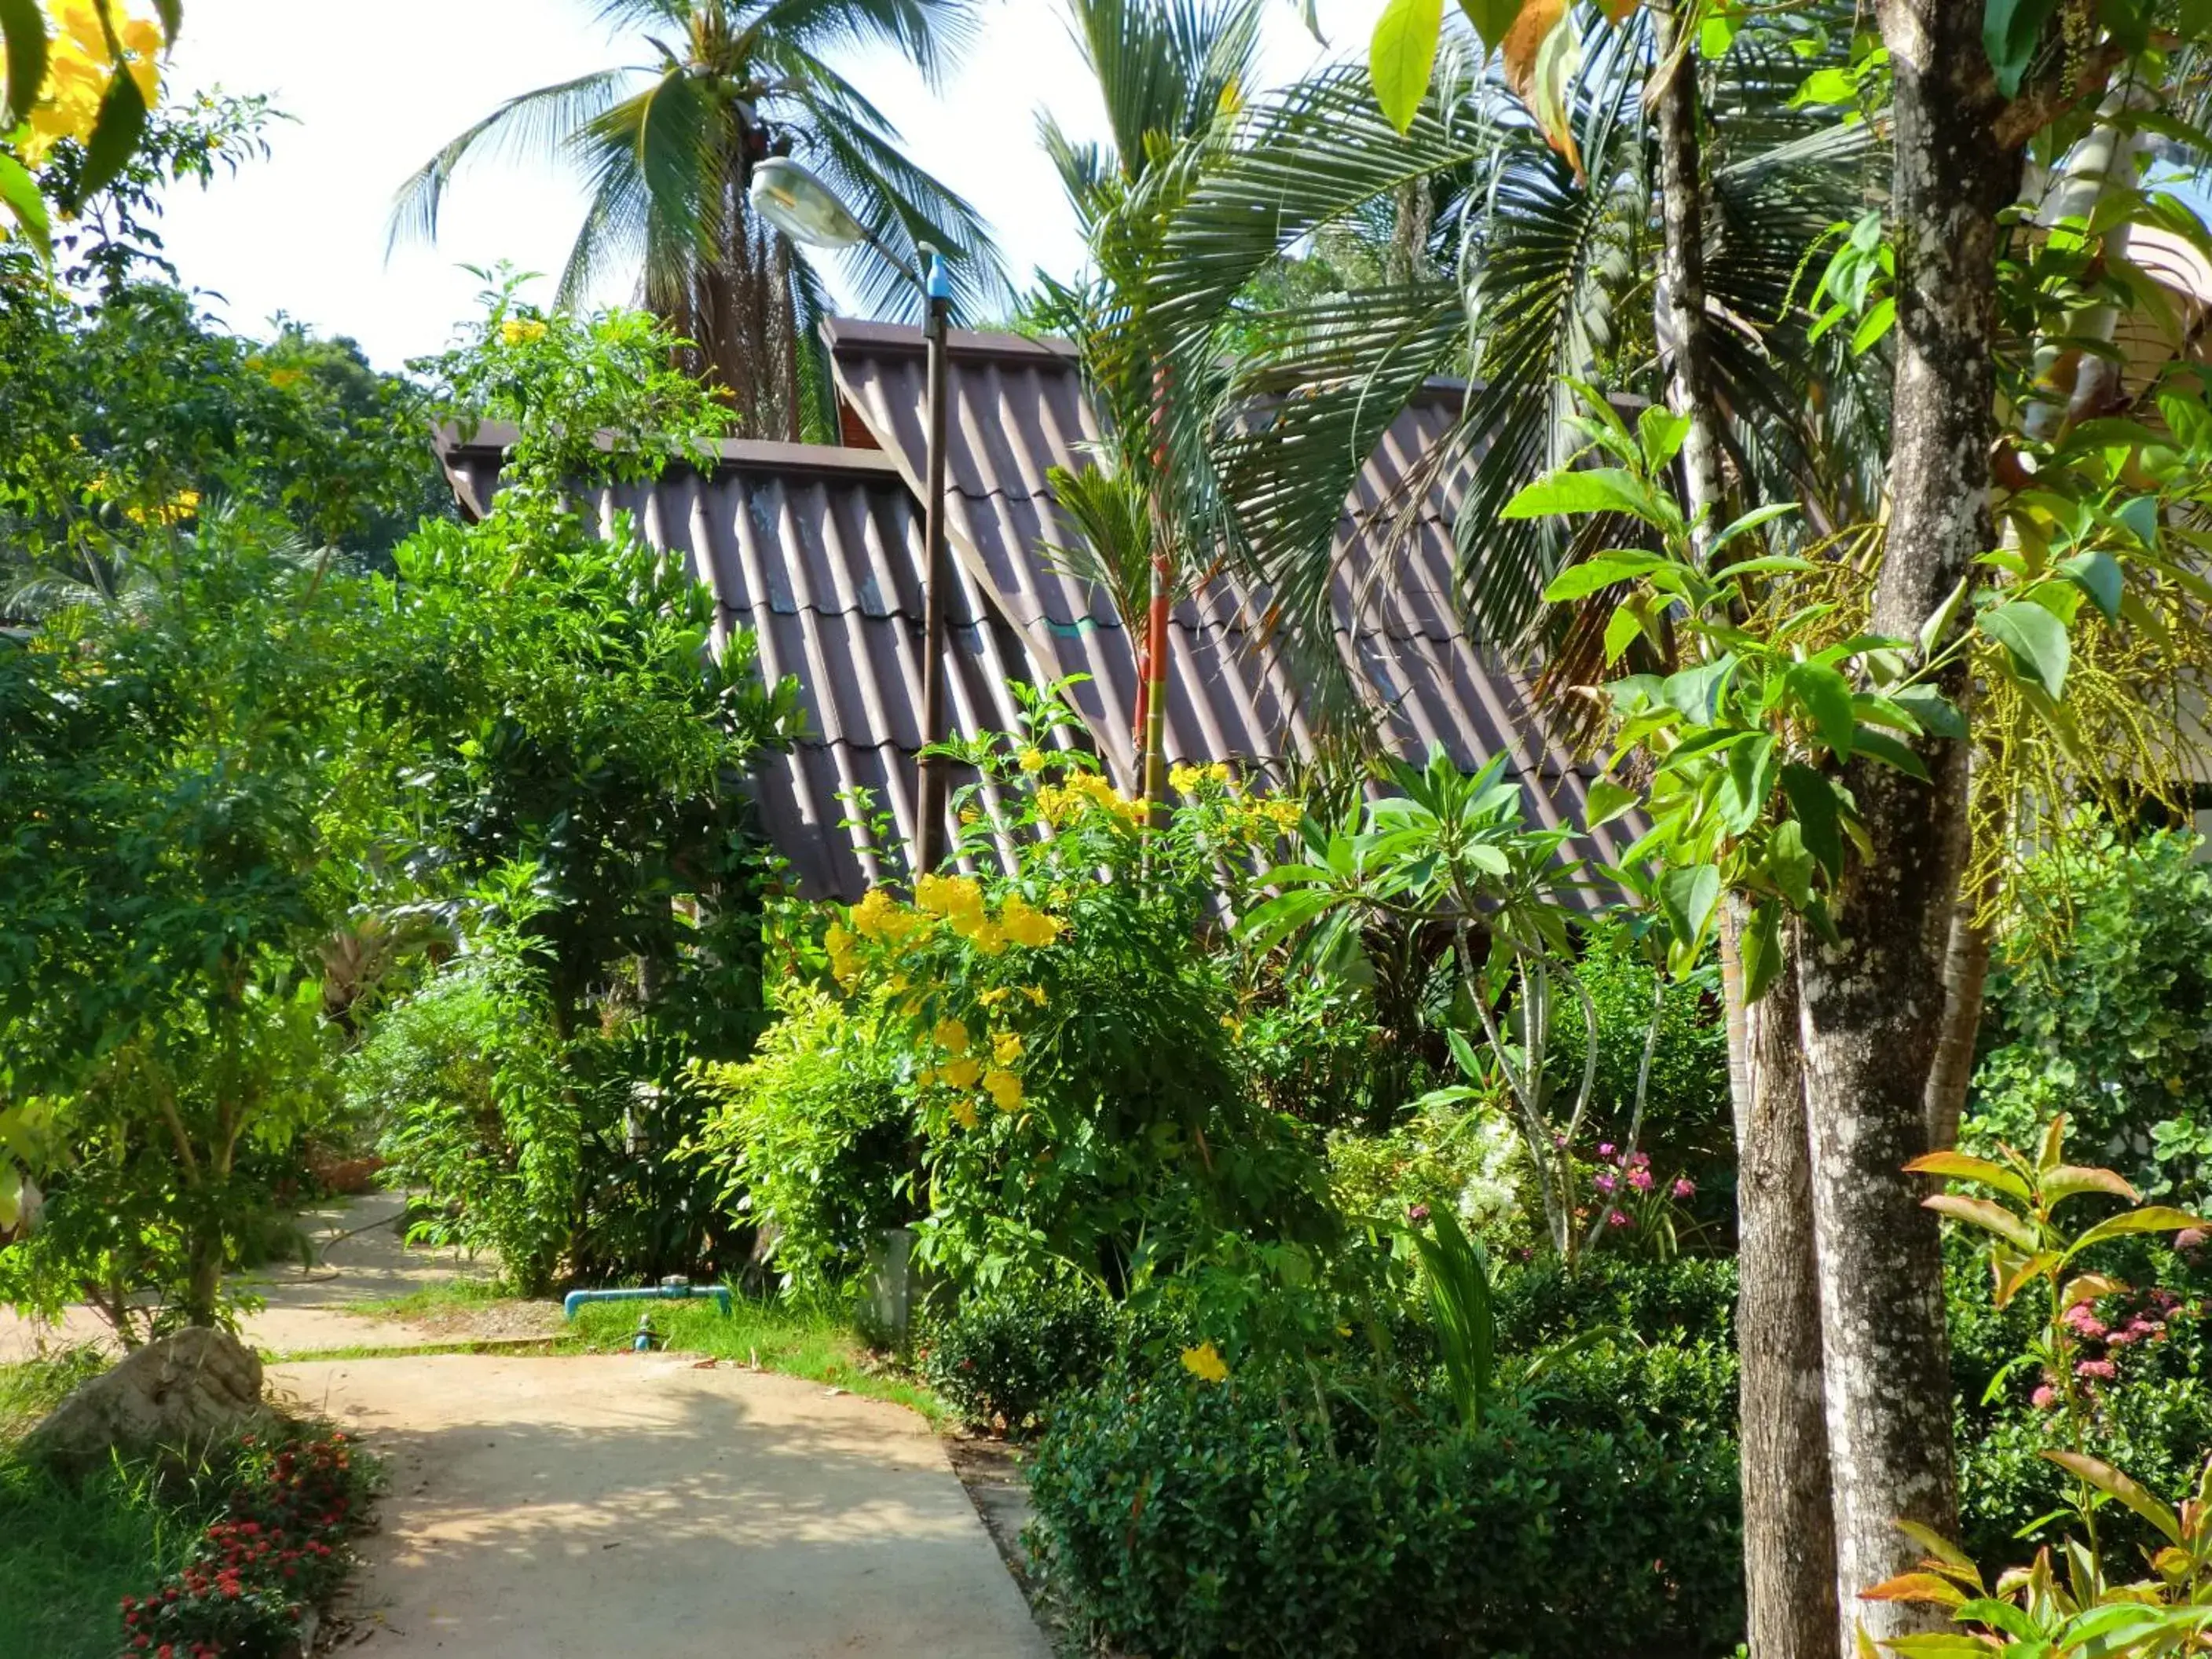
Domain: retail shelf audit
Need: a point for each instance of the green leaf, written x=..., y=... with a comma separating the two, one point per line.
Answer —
x=24, y=24
x=1663, y=433
x=1937, y=715
x=1987, y=1214
x=1402, y=56
x=1688, y=896
x=1593, y=575
x=1876, y=322
x=172, y=14
x=1607, y=801
x=1827, y=86
x=1932, y=631
x=1762, y=951
x=1819, y=817
x=122, y=124
x=1825, y=697
x=1621, y=632
x=2071, y=1180
x=2035, y=640
x=1695, y=693
x=1493, y=20
x=1584, y=489
x=21, y=192
x=2142, y=516
x=2151, y=1218
x=1788, y=864
x=2109, y=1481
x=1958, y=1166
x=1897, y=756
x=2010, y=29
x=2099, y=575
x=1751, y=769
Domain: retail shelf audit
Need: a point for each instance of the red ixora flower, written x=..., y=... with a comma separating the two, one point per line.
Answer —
x=1685, y=1187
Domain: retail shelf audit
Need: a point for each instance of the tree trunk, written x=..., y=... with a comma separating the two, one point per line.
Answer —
x=1788, y=1520
x=1680, y=318
x=1873, y=1000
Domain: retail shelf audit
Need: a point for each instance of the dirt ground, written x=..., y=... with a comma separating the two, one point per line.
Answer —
x=638, y=1505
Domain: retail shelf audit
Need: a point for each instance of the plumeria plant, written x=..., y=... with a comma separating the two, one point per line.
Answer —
x=2079, y=1601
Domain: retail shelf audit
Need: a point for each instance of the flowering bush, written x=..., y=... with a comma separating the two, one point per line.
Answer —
x=1071, y=1037
x=282, y=1547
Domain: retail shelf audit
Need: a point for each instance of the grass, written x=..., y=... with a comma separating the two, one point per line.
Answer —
x=69, y=1553
x=437, y=1299
x=816, y=1343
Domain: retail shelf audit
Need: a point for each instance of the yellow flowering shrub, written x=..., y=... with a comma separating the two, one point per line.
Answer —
x=1079, y=1099
x=83, y=60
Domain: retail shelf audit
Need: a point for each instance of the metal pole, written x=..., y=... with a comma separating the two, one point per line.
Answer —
x=929, y=839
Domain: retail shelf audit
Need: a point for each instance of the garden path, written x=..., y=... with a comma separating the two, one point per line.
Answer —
x=641, y=1504
x=358, y=1258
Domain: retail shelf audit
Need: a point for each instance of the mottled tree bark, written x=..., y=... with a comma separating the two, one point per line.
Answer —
x=1789, y=1521
x=1873, y=1000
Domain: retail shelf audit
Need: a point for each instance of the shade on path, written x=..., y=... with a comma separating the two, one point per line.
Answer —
x=636, y=1505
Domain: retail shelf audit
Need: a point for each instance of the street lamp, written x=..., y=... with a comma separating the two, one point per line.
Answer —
x=808, y=211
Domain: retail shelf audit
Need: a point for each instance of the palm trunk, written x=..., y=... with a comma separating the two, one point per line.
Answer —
x=1873, y=999
x=1788, y=1519
x=1682, y=327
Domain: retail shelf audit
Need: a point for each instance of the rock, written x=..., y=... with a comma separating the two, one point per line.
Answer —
x=171, y=1399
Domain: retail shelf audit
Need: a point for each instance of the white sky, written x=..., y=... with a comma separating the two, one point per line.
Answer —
x=375, y=90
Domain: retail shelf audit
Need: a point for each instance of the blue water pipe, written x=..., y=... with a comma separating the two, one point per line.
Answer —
x=669, y=1290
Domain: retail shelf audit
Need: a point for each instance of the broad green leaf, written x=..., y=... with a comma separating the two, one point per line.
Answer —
x=1916, y=1587
x=1594, y=574
x=1938, y=625
x=1402, y=56
x=1890, y=752
x=1663, y=433
x=1942, y=1548
x=1940, y=1646
x=1621, y=632
x=1987, y=1214
x=2035, y=640
x=1880, y=317
x=24, y=24
x=1493, y=20
x=2072, y=1180
x=1761, y=948
x=1788, y=864
x=2109, y=1481
x=1751, y=769
x=1695, y=693
x=122, y=124
x=1825, y=697
x=2140, y=516
x=1715, y=36
x=2099, y=575
x=23, y=197
x=2151, y=1218
x=1752, y=520
x=1688, y=898
x=1819, y=817
x=1958, y=1166
x=2010, y=29
x=1584, y=489
x=1937, y=715
x=1827, y=86
x=2016, y=1276
x=11, y=1196
x=1607, y=801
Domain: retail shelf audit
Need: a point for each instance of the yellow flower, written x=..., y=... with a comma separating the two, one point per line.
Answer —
x=962, y=1072
x=517, y=330
x=986, y=936
x=838, y=942
x=1182, y=779
x=871, y=916
x=993, y=997
x=1035, y=994
x=951, y=1037
x=964, y=1114
x=1006, y=1048
x=181, y=505
x=1204, y=1363
x=1286, y=813
x=284, y=379
x=1004, y=1087
x=1033, y=760
x=926, y=1078
x=970, y=817
x=1026, y=925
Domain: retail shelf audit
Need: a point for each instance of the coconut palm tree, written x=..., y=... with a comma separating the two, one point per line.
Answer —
x=1538, y=273
x=667, y=148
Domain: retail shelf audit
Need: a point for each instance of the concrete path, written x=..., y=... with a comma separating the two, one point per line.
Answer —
x=640, y=1506
x=359, y=1258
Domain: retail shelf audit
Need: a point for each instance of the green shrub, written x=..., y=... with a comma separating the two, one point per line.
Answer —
x=2103, y=1011
x=814, y=1138
x=1001, y=1359
x=1194, y=1520
x=1690, y=1296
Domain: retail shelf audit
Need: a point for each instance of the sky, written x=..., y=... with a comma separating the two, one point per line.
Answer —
x=303, y=232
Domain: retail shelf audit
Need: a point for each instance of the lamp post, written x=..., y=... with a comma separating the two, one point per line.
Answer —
x=808, y=211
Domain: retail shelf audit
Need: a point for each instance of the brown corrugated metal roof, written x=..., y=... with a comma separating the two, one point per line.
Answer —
x=1018, y=409
x=818, y=551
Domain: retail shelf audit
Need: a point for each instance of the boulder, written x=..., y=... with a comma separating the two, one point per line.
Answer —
x=170, y=1399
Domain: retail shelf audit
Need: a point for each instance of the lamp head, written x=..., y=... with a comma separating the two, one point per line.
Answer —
x=802, y=207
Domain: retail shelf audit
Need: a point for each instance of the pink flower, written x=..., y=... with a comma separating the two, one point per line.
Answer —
x=2190, y=1240
x=2044, y=1398
x=2124, y=1339
x=1607, y=1183
x=2084, y=1321
x=1616, y=1219
x=1416, y=1213
x=1605, y=1149
x=1685, y=1187
x=1639, y=1160
x=1640, y=1178
x=2103, y=1370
